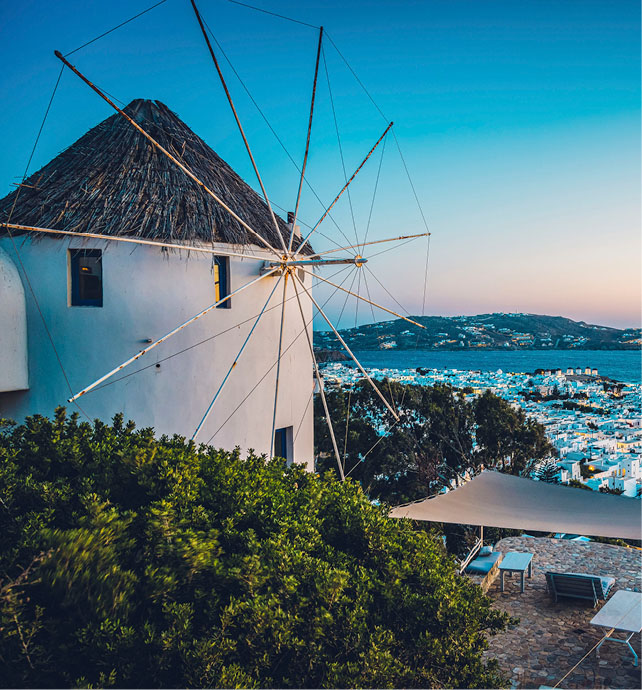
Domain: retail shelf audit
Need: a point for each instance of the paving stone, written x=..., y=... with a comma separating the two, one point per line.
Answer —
x=547, y=642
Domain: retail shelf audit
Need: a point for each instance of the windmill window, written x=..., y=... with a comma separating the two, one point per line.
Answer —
x=221, y=270
x=283, y=445
x=86, y=284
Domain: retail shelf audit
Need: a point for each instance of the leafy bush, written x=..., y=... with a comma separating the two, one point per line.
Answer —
x=131, y=561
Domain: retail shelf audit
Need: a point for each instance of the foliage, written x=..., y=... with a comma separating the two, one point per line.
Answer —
x=397, y=461
x=460, y=539
x=618, y=542
x=548, y=472
x=578, y=485
x=506, y=437
x=128, y=561
x=432, y=443
x=607, y=490
x=587, y=409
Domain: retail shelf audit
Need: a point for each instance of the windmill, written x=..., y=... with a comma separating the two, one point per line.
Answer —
x=283, y=259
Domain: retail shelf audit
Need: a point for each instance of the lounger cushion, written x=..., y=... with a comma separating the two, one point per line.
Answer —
x=483, y=564
x=607, y=582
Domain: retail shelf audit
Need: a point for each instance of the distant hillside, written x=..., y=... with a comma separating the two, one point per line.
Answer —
x=485, y=331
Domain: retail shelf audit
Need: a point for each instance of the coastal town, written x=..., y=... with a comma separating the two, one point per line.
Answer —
x=497, y=331
x=592, y=421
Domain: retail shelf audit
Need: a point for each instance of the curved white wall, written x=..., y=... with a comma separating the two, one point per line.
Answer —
x=14, y=373
x=146, y=293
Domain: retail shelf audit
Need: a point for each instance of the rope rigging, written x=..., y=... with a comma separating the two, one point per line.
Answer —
x=276, y=136
x=343, y=163
x=359, y=246
x=258, y=383
x=374, y=196
x=274, y=14
x=118, y=26
x=197, y=344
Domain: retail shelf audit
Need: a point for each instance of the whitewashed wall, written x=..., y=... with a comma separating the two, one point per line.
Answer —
x=14, y=374
x=146, y=293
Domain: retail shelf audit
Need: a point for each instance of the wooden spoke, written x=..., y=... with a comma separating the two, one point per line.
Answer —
x=132, y=240
x=154, y=143
x=168, y=335
x=236, y=360
x=307, y=142
x=367, y=244
x=347, y=349
x=361, y=297
x=338, y=196
x=321, y=388
x=278, y=365
x=238, y=122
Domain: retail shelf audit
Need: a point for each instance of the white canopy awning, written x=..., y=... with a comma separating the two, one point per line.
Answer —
x=502, y=500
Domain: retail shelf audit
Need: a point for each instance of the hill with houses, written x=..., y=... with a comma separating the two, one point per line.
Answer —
x=513, y=331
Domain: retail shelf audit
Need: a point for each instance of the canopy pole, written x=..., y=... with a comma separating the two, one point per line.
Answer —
x=153, y=141
x=348, y=350
x=166, y=336
x=238, y=121
x=307, y=141
x=132, y=240
x=345, y=186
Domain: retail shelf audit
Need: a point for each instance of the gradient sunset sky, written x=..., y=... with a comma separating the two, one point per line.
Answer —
x=519, y=122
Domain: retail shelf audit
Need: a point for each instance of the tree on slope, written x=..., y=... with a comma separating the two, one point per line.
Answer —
x=397, y=461
x=128, y=561
x=506, y=438
x=431, y=444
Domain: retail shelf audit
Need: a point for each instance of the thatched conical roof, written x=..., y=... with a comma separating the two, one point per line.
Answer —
x=112, y=181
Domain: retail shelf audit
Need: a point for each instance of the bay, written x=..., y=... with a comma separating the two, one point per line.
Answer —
x=620, y=365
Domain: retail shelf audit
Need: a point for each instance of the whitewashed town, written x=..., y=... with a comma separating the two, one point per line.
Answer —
x=593, y=422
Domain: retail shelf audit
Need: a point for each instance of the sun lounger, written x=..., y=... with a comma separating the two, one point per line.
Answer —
x=579, y=586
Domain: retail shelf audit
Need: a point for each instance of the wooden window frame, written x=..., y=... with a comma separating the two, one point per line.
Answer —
x=221, y=271
x=284, y=444
x=76, y=298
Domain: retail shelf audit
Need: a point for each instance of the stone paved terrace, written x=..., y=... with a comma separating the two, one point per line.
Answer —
x=551, y=638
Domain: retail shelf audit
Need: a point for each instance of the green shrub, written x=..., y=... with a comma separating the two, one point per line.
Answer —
x=133, y=562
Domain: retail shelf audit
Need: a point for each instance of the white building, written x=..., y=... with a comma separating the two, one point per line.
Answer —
x=570, y=470
x=629, y=467
x=104, y=301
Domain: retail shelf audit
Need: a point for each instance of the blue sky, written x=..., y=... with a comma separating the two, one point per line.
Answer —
x=519, y=123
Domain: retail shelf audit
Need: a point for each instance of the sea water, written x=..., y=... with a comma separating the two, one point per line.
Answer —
x=620, y=365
